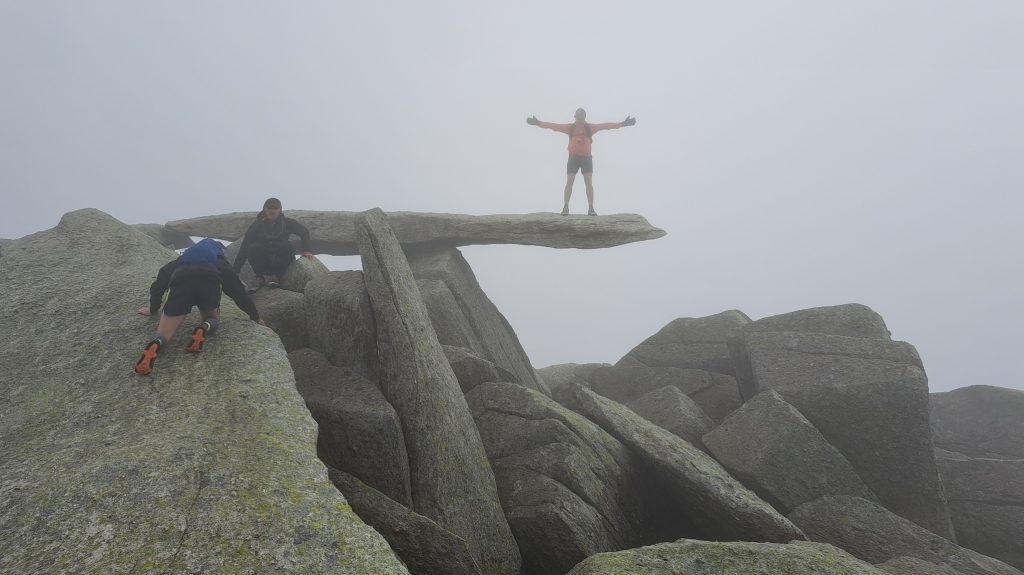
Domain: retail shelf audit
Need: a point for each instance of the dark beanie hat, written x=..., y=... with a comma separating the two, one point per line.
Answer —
x=272, y=203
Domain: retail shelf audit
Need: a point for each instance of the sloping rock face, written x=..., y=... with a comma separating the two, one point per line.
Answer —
x=452, y=482
x=776, y=452
x=165, y=237
x=851, y=320
x=980, y=421
x=986, y=501
x=561, y=378
x=334, y=233
x=568, y=488
x=690, y=343
x=715, y=393
x=284, y=312
x=492, y=338
x=715, y=502
x=340, y=321
x=869, y=398
x=301, y=272
x=359, y=431
x=472, y=370
x=914, y=566
x=206, y=466
x=424, y=546
x=671, y=410
x=450, y=324
x=688, y=557
x=870, y=532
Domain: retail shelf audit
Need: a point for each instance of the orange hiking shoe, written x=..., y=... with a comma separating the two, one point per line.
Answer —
x=145, y=363
x=198, y=337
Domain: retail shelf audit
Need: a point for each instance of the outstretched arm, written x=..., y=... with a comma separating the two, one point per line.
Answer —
x=629, y=121
x=533, y=121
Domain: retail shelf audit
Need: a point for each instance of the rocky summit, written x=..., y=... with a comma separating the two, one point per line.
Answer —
x=389, y=421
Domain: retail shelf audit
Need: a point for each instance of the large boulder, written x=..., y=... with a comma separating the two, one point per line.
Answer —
x=689, y=557
x=471, y=370
x=359, y=431
x=284, y=312
x=335, y=233
x=450, y=324
x=208, y=465
x=914, y=566
x=560, y=378
x=869, y=398
x=717, y=394
x=166, y=237
x=718, y=505
x=301, y=272
x=340, y=321
x=979, y=421
x=674, y=412
x=873, y=533
x=452, y=482
x=690, y=343
x=568, y=488
x=424, y=546
x=491, y=337
x=986, y=502
x=776, y=452
x=852, y=320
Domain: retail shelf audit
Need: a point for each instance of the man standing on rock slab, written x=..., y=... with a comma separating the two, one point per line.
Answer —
x=193, y=279
x=266, y=245
x=580, y=159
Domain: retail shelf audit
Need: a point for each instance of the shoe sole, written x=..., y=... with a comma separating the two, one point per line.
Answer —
x=145, y=363
x=198, y=337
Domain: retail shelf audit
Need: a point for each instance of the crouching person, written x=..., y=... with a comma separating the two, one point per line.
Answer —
x=267, y=247
x=193, y=279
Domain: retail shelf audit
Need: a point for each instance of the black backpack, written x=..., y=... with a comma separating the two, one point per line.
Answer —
x=586, y=131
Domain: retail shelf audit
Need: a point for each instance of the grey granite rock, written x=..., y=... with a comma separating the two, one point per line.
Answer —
x=561, y=377
x=340, y=321
x=717, y=394
x=452, y=482
x=568, y=488
x=425, y=547
x=914, y=566
x=716, y=503
x=871, y=532
x=284, y=312
x=689, y=557
x=979, y=421
x=301, y=272
x=852, y=320
x=208, y=465
x=497, y=341
x=690, y=343
x=359, y=432
x=775, y=451
x=986, y=502
x=166, y=237
x=673, y=411
x=869, y=398
x=471, y=370
x=450, y=324
x=334, y=233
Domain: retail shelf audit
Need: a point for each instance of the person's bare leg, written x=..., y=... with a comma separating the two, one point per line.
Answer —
x=168, y=326
x=569, y=180
x=588, y=179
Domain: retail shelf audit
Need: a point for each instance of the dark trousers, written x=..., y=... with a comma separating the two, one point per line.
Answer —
x=272, y=258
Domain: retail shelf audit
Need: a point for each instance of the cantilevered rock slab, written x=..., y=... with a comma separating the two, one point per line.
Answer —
x=776, y=452
x=452, y=481
x=334, y=233
x=716, y=503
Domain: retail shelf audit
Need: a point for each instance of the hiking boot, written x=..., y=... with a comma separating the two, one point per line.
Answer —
x=565, y=211
x=591, y=212
x=260, y=282
x=198, y=337
x=145, y=363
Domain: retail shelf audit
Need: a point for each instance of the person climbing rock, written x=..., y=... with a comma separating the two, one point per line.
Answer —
x=195, y=278
x=266, y=246
x=580, y=159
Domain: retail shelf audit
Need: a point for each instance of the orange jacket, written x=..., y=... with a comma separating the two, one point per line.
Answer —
x=579, y=143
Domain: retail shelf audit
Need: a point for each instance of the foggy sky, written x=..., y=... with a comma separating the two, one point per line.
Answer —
x=798, y=153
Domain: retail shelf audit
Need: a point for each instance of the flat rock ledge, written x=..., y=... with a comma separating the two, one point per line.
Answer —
x=334, y=233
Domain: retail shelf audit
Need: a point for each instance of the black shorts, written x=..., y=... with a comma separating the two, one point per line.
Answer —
x=192, y=287
x=578, y=163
